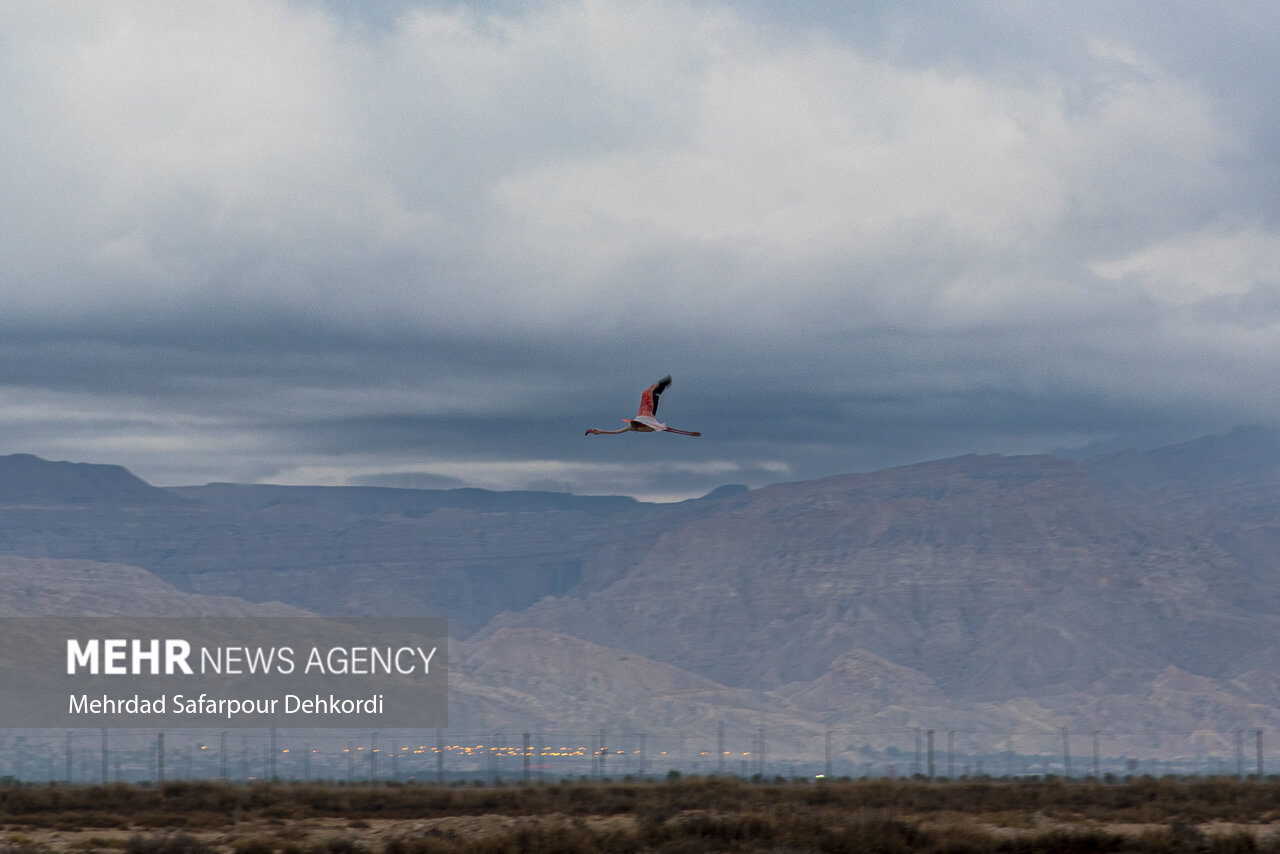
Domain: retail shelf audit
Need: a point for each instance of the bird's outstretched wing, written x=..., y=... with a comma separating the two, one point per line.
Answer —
x=649, y=398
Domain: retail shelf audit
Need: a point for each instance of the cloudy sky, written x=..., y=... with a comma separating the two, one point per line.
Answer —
x=429, y=243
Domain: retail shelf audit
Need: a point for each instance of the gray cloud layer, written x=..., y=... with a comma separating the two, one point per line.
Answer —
x=431, y=243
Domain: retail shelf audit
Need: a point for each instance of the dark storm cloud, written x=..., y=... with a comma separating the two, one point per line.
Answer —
x=414, y=243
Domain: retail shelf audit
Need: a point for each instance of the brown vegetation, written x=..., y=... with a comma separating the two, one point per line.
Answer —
x=672, y=817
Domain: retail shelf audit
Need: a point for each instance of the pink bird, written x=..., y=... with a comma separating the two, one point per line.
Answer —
x=644, y=422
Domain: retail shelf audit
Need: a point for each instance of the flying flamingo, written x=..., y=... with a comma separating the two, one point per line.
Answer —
x=644, y=422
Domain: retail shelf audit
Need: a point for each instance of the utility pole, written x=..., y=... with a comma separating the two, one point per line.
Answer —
x=222, y=750
x=720, y=748
x=439, y=756
x=915, y=766
x=930, y=734
x=373, y=757
x=1096, y=765
x=68, y=778
x=951, y=743
x=762, y=753
x=1258, y=734
x=828, y=774
x=526, y=757
x=105, y=778
x=643, y=756
x=1066, y=754
x=1239, y=754
x=160, y=757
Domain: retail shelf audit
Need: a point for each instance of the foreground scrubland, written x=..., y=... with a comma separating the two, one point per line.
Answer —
x=675, y=816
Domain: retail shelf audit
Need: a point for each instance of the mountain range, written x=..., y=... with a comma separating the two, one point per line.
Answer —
x=1136, y=593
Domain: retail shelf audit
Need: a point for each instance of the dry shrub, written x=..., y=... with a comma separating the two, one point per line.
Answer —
x=95, y=842
x=1013, y=818
x=688, y=814
x=196, y=819
x=340, y=845
x=257, y=845
x=77, y=820
x=167, y=843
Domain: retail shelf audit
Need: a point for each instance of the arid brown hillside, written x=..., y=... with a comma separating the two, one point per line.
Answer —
x=994, y=576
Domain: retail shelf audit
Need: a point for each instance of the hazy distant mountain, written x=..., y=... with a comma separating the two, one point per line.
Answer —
x=28, y=481
x=559, y=682
x=1003, y=591
x=465, y=554
x=367, y=501
x=1225, y=489
x=993, y=576
x=43, y=587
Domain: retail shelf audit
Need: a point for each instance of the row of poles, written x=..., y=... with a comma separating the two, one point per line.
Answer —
x=602, y=757
x=606, y=760
x=1066, y=753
